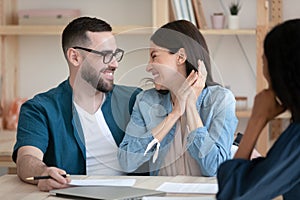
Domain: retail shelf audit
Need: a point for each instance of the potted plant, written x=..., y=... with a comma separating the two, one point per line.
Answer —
x=235, y=7
x=233, y=19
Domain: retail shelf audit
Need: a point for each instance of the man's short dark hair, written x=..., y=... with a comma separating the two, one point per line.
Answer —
x=75, y=32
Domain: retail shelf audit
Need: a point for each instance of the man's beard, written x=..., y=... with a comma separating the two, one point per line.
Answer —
x=96, y=81
x=102, y=86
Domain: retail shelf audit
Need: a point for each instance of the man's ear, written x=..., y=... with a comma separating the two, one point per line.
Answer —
x=181, y=56
x=74, y=57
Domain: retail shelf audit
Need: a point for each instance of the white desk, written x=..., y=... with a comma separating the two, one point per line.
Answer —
x=14, y=189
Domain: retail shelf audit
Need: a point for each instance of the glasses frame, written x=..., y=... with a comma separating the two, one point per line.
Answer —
x=103, y=53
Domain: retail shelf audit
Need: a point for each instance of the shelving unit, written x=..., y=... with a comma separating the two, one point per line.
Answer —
x=264, y=23
x=243, y=113
x=228, y=32
x=56, y=30
x=9, y=43
x=10, y=31
x=44, y=30
x=8, y=53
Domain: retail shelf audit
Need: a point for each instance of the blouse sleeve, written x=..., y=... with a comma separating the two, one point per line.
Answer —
x=131, y=149
x=211, y=145
x=138, y=135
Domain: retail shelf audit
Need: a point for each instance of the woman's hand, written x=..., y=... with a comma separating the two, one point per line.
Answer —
x=190, y=89
x=197, y=82
x=266, y=106
x=182, y=94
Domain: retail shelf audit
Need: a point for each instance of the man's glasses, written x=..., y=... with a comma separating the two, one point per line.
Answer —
x=107, y=55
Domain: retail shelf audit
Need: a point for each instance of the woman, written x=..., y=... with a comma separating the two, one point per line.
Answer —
x=278, y=173
x=186, y=124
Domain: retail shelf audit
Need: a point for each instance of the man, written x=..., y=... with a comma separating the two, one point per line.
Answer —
x=76, y=128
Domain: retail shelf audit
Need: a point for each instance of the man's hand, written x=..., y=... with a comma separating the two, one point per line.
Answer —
x=30, y=163
x=57, y=181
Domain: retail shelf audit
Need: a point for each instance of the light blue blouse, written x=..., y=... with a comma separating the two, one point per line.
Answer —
x=209, y=145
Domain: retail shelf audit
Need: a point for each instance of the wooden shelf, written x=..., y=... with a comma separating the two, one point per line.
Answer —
x=243, y=113
x=228, y=31
x=247, y=114
x=30, y=30
x=130, y=29
x=47, y=30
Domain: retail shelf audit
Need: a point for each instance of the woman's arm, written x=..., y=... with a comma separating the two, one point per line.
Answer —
x=210, y=145
x=197, y=82
x=264, y=178
x=160, y=131
x=270, y=173
x=265, y=109
x=149, y=120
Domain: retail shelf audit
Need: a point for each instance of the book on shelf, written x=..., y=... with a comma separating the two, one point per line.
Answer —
x=177, y=11
x=190, y=10
x=199, y=14
x=183, y=9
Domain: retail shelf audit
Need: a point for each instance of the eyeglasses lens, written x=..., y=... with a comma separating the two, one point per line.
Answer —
x=118, y=54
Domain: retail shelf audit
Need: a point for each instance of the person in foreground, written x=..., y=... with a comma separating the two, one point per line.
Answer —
x=76, y=127
x=278, y=173
x=186, y=124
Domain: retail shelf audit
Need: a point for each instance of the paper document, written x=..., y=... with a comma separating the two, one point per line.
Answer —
x=200, y=188
x=103, y=182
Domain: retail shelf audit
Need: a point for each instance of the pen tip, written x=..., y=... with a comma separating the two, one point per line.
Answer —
x=30, y=179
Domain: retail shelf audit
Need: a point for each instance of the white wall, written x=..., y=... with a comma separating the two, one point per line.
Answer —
x=227, y=54
x=234, y=56
x=42, y=64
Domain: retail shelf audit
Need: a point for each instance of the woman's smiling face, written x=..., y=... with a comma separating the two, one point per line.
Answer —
x=164, y=68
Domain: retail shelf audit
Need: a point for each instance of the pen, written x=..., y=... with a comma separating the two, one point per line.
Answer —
x=44, y=177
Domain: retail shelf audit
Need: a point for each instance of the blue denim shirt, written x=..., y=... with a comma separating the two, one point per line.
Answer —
x=209, y=145
x=50, y=122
